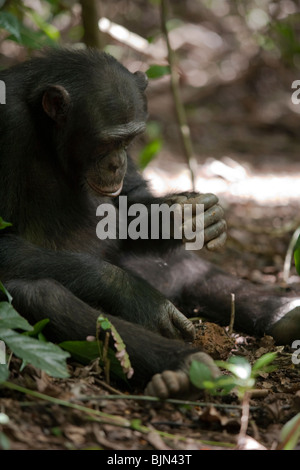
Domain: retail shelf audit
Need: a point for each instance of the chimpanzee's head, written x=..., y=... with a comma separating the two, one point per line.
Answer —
x=95, y=107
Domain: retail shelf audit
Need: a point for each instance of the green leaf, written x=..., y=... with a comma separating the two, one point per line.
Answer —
x=83, y=351
x=239, y=366
x=45, y=356
x=121, y=353
x=37, y=328
x=104, y=323
x=4, y=372
x=33, y=39
x=297, y=260
x=4, y=224
x=9, y=297
x=87, y=351
x=200, y=375
x=285, y=30
x=149, y=152
x=224, y=384
x=297, y=255
x=10, y=318
x=48, y=28
x=157, y=71
x=263, y=361
x=4, y=442
x=297, y=244
x=11, y=24
x=291, y=441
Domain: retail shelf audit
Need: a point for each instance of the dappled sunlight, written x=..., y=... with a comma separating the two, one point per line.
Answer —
x=232, y=181
x=123, y=34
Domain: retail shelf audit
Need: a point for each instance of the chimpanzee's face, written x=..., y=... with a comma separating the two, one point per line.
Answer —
x=119, y=113
x=98, y=126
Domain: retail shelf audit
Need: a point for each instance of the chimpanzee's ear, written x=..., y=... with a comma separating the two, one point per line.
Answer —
x=142, y=80
x=56, y=101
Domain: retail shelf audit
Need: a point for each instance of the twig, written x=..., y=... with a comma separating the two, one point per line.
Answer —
x=90, y=14
x=100, y=416
x=107, y=387
x=106, y=361
x=289, y=255
x=232, y=314
x=174, y=401
x=105, y=417
x=294, y=429
x=180, y=111
x=156, y=440
x=244, y=419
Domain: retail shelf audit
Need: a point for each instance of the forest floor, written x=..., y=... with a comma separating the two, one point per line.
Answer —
x=138, y=424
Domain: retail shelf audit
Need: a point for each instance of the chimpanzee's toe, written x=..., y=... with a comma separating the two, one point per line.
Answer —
x=176, y=383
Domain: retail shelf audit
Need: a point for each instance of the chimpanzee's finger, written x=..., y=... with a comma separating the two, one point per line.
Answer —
x=208, y=200
x=217, y=243
x=215, y=230
x=183, y=324
x=174, y=324
x=213, y=215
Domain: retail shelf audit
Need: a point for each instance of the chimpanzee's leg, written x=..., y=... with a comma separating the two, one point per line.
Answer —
x=200, y=288
x=72, y=319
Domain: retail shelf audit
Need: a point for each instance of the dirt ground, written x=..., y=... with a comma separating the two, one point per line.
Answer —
x=214, y=423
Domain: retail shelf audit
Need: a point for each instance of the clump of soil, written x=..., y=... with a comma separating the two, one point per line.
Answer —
x=214, y=340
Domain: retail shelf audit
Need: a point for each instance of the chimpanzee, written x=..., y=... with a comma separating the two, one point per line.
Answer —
x=65, y=128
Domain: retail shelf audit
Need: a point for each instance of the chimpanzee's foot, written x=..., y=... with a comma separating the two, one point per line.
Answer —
x=176, y=383
x=286, y=327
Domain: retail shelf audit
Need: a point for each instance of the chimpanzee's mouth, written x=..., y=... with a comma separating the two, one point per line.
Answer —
x=109, y=192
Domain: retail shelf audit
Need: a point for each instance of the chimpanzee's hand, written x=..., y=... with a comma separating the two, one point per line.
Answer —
x=214, y=224
x=172, y=323
x=146, y=306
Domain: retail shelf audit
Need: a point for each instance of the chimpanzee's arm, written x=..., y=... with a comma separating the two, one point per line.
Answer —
x=136, y=190
x=96, y=282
